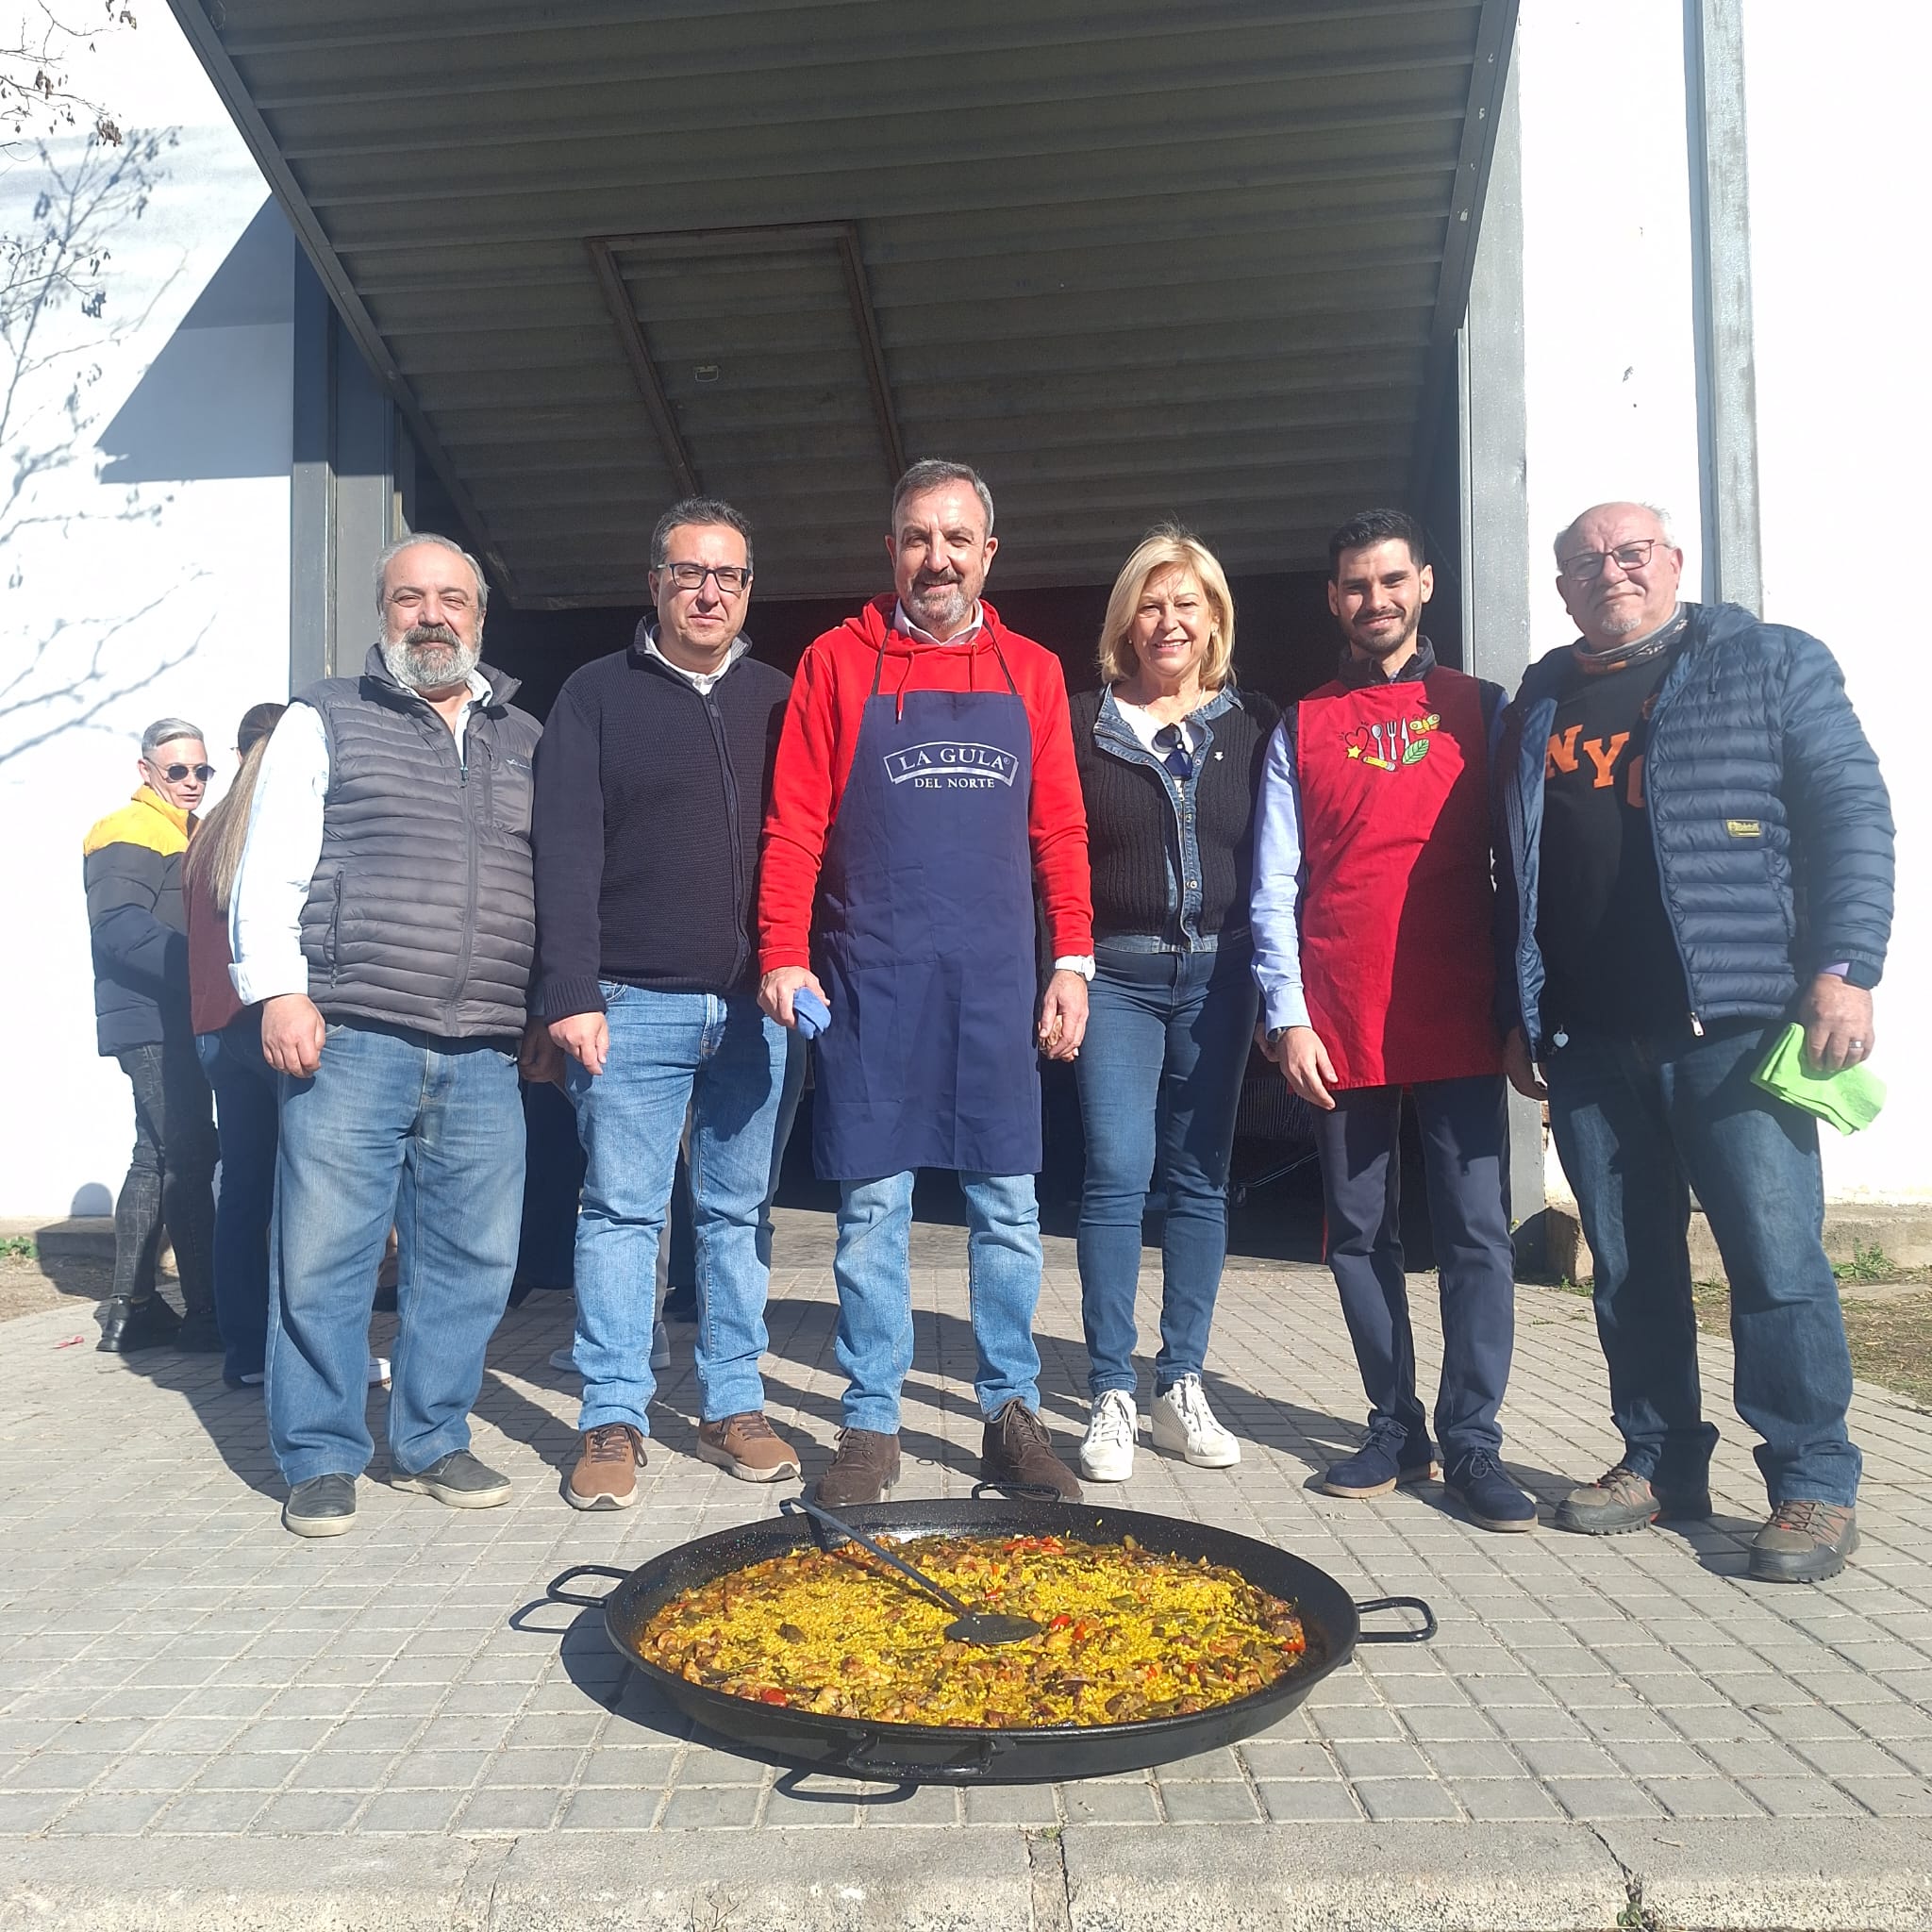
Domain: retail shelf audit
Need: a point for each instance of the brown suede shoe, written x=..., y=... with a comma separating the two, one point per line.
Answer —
x=1016, y=1449
x=864, y=1466
x=606, y=1477
x=749, y=1447
x=1803, y=1542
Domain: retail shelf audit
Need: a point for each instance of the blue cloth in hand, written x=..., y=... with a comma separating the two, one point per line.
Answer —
x=810, y=1013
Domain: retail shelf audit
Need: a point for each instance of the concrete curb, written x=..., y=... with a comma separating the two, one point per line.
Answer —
x=1792, y=1875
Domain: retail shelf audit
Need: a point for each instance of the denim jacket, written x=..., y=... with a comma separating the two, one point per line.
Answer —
x=1112, y=733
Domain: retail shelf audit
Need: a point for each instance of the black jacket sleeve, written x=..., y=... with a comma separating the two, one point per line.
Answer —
x=123, y=889
x=567, y=848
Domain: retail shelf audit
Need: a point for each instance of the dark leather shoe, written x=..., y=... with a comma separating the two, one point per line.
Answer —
x=1388, y=1458
x=864, y=1466
x=199, y=1335
x=1803, y=1542
x=323, y=1506
x=1017, y=1452
x=126, y=1328
x=1477, y=1482
x=460, y=1481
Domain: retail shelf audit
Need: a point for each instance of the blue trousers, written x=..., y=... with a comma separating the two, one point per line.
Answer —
x=1465, y=1165
x=1641, y=1123
x=246, y=1090
x=1159, y=1075
x=428, y=1133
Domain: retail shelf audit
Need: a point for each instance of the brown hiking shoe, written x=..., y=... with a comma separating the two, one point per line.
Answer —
x=1621, y=1500
x=1803, y=1542
x=1016, y=1451
x=749, y=1447
x=606, y=1477
x=864, y=1466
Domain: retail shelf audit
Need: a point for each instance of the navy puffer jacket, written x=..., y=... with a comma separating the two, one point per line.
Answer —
x=1772, y=827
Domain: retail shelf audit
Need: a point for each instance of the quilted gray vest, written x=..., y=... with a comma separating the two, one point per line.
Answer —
x=421, y=912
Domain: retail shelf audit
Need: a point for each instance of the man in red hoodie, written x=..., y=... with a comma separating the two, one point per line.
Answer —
x=924, y=781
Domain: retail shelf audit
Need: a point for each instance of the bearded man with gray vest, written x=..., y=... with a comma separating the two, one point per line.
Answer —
x=384, y=917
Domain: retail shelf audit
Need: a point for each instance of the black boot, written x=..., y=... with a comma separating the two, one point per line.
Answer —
x=129, y=1326
x=199, y=1333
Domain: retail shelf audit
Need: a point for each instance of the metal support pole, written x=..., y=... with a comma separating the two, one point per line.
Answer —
x=1720, y=301
x=1494, y=423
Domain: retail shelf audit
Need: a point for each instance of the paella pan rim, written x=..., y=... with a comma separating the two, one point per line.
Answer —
x=965, y=1753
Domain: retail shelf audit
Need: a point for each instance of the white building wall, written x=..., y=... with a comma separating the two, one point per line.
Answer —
x=158, y=536
x=1610, y=370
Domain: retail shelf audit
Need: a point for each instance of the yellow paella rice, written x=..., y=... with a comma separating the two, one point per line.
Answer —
x=1126, y=1634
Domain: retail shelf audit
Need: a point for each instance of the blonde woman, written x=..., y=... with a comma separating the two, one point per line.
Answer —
x=227, y=1037
x=1169, y=754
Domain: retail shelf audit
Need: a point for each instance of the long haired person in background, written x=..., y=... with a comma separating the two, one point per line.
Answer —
x=228, y=1038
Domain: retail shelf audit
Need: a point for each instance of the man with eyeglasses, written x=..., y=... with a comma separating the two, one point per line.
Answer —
x=652, y=782
x=383, y=918
x=1695, y=850
x=131, y=864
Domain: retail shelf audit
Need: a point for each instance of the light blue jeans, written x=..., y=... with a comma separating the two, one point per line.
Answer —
x=873, y=1268
x=403, y=1126
x=723, y=1062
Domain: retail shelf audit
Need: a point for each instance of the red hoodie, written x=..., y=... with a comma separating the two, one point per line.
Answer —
x=834, y=677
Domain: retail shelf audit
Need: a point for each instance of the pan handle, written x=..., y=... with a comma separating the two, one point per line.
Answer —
x=558, y=1594
x=1026, y=1492
x=1397, y=1603
x=972, y=1761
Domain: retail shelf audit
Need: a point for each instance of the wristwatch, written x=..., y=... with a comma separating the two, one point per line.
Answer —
x=1081, y=963
x=1277, y=1034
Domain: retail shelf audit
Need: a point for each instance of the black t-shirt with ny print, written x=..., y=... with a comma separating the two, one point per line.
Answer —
x=1608, y=954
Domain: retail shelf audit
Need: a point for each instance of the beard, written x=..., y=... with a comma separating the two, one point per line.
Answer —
x=934, y=606
x=1387, y=646
x=431, y=656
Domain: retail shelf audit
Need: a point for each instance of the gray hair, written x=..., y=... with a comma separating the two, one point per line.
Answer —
x=931, y=474
x=409, y=542
x=1569, y=529
x=697, y=509
x=164, y=731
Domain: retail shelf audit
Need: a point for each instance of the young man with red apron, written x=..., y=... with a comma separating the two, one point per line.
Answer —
x=924, y=780
x=1372, y=913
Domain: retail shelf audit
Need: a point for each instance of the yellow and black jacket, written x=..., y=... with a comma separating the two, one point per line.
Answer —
x=132, y=861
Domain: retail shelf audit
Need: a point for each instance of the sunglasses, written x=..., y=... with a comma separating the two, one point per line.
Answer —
x=175, y=773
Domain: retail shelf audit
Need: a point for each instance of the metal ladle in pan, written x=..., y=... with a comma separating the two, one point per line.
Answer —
x=970, y=1626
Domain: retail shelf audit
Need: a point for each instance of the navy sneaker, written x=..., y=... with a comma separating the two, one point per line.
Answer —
x=1388, y=1458
x=1477, y=1482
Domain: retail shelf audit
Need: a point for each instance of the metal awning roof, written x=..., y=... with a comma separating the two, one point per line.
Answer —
x=1132, y=259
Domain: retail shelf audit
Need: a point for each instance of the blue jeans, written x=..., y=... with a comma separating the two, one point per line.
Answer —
x=428, y=1133
x=1641, y=1123
x=245, y=1088
x=872, y=1267
x=1159, y=1075
x=722, y=1061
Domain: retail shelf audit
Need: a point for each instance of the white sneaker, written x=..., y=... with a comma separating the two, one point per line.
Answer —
x=565, y=1358
x=1185, y=1426
x=379, y=1371
x=1107, y=1455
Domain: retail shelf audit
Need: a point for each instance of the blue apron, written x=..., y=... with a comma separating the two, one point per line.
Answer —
x=926, y=948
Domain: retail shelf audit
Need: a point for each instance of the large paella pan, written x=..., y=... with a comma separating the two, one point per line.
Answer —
x=948, y=1753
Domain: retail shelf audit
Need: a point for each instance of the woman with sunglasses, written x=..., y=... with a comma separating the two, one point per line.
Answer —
x=1169, y=754
x=131, y=863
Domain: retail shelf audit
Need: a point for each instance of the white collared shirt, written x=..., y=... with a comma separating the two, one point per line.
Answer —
x=284, y=845
x=700, y=682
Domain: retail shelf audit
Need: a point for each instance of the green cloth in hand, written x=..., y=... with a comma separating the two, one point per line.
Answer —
x=1849, y=1099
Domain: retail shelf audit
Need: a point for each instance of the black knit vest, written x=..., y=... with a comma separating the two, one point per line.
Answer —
x=1132, y=835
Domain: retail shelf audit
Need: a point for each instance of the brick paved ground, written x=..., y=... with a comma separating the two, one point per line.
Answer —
x=189, y=1697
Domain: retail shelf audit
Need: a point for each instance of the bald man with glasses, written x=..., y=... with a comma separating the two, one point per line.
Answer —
x=1695, y=850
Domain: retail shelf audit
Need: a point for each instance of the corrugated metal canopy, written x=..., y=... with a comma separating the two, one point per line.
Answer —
x=1133, y=259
